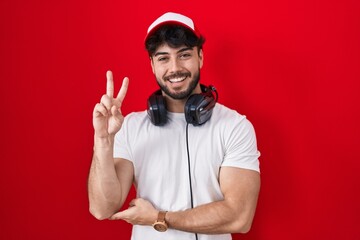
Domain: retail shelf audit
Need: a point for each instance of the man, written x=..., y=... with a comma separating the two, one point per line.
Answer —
x=194, y=162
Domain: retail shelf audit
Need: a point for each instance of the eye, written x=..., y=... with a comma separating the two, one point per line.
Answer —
x=162, y=59
x=185, y=55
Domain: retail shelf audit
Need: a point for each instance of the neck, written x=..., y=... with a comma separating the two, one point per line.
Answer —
x=175, y=105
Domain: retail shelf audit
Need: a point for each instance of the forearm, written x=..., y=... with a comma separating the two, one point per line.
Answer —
x=214, y=218
x=234, y=214
x=104, y=188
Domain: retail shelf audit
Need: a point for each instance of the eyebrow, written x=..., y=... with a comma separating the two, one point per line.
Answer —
x=166, y=53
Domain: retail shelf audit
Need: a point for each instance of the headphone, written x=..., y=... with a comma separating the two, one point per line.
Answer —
x=198, y=107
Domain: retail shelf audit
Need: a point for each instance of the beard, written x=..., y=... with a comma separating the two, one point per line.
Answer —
x=183, y=94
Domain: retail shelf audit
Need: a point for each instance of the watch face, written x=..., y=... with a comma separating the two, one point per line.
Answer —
x=161, y=227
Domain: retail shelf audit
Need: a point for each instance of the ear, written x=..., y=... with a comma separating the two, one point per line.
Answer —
x=152, y=65
x=201, y=58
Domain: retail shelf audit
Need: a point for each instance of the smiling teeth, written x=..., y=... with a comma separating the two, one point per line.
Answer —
x=175, y=80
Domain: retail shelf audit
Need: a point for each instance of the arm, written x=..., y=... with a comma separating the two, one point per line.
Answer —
x=108, y=184
x=109, y=179
x=234, y=214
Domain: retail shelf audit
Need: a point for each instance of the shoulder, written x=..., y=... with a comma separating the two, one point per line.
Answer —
x=224, y=114
x=134, y=121
x=230, y=120
x=136, y=117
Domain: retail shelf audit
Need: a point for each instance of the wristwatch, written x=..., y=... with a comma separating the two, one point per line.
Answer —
x=160, y=224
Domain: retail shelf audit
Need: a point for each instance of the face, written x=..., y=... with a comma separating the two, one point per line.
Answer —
x=177, y=70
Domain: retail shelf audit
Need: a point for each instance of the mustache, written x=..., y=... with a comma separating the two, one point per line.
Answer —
x=177, y=75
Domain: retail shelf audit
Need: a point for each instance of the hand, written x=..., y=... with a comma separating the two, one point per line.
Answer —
x=107, y=116
x=140, y=212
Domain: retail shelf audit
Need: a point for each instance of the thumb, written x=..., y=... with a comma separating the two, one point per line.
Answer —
x=116, y=113
x=119, y=215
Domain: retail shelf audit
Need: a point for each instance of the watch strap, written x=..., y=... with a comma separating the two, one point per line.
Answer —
x=160, y=224
x=161, y=216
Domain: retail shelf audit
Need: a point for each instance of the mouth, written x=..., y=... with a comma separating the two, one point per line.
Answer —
x=176, y=78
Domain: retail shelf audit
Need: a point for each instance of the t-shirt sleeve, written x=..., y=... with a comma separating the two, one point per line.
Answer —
x=241, y=146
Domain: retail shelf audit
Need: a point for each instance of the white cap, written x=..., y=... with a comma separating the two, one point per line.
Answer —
x=175, y=19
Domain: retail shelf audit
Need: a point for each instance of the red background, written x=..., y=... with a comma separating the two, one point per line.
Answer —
x=291, y=66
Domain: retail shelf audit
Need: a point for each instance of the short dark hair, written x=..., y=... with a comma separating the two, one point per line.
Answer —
x=175, y=36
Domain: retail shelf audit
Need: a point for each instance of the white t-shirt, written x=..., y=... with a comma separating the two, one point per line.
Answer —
x=160, y=159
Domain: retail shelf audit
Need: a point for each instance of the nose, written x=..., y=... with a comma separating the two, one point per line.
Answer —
x=174, y=65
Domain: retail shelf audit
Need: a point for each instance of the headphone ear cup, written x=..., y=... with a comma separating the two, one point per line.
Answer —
x=190, y=108
x=198, y=108
x=157, y=109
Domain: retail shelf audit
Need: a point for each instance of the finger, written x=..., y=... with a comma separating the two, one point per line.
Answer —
x=100, y=110
x=123, y=89
x=106, y=101
x=116, y=216
x=132, y=203
x=109, y=84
